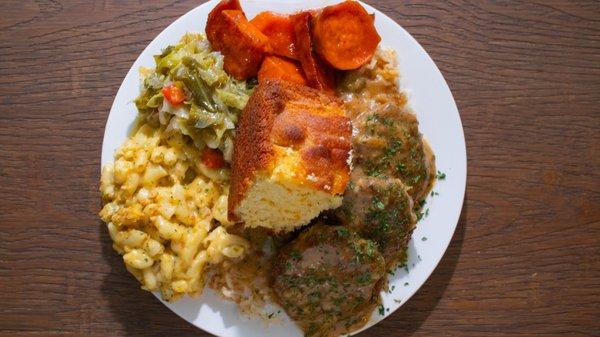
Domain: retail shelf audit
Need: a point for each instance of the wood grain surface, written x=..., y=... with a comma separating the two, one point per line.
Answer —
x=525, y=260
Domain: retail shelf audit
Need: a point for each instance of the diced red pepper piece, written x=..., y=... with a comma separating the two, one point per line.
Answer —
x=173, y=94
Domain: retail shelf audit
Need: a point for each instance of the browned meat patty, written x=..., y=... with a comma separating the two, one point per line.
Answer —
x=382, y=211
x=328, y=279
x=389, y=145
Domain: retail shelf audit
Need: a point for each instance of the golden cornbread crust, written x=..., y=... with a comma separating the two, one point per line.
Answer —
x=296, y=118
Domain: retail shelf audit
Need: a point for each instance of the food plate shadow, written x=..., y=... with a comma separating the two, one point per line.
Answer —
x=415, y=312
x=138, y=312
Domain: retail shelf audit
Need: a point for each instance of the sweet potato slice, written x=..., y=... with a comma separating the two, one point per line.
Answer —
x=242, y=44
x=275, y=67
x=318, y=74
x=215, y=21
x=345, y=35
x=280, y=30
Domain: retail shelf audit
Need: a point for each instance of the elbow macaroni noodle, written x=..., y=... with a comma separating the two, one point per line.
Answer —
x=164, y=213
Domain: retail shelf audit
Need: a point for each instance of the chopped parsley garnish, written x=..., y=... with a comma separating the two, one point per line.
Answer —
x=378, y=204
x=416, y=179
x=373, y=171
x=441, y=175
x=370, y=248
x=401, y=168
x=375, y=167
x=395, y=146
x=383, y=120
x=364, y=278
x=296, y=254
x=343, y=231
x=364, y=251
x=381, y=310
x=424, y=238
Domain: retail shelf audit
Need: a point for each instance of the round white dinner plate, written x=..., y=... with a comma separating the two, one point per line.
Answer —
x=440, y=123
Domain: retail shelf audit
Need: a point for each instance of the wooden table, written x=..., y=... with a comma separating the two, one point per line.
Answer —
x=525, y=259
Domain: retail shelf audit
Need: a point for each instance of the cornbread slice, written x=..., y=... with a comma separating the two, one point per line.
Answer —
x=290, y=157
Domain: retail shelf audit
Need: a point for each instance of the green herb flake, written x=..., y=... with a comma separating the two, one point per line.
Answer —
x=364, y=278
x=441, y=175
x=370, y=248
x=343, y=232
x=416, y=179
x=401, y=168
x=296, y=255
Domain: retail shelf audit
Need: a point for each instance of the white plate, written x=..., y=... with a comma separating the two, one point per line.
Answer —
x=439, y=122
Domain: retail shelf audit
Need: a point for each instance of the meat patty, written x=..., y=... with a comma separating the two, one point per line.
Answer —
x=388, y=145
x=382, y=211
x=328, y=279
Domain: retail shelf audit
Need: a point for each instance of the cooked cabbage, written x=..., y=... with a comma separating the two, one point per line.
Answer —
x=213, y=99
